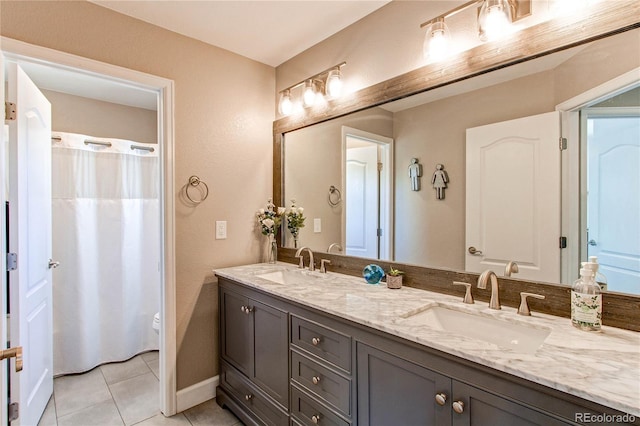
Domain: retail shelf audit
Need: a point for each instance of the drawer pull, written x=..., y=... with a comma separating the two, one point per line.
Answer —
x=248, y=397
x=441, y=398
x=458, y=407
x=315, y=341
x=315, y=419
x=315, y=380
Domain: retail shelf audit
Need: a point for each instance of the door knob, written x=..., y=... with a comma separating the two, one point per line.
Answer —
x=53, y=264
x=593, y=242
x=15, y=352
x=474, y=251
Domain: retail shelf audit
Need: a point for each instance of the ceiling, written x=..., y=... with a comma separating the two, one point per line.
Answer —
x=267, y=31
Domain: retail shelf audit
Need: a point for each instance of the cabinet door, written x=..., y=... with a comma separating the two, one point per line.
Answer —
x=271, y=368
x=236, y=337
x=393, y=391
x=481, y=408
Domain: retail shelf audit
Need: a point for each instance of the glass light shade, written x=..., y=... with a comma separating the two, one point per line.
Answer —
x=309, y=94
x=285, y=106
x=334, y=83
x=494, y=20
x=437, y=41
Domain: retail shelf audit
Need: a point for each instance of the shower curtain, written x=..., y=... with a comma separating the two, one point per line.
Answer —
x=106, y=236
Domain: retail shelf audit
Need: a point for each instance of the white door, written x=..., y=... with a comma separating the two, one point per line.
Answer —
x=513, y=197
x=30, y=237
x=362, y=201
x=613, y=204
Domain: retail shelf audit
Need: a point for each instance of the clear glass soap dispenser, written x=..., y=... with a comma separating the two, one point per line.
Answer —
x=586, y=302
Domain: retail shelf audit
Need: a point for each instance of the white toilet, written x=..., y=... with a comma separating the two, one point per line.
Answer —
x=156, y=323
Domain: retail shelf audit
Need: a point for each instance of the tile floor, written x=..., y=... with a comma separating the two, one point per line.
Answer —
x=124, y=393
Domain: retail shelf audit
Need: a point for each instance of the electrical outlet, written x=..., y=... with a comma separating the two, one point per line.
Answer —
x=317, y=225
x=221, y=229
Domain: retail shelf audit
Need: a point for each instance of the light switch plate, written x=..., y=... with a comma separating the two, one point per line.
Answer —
x=317, y=225
x=221, y=229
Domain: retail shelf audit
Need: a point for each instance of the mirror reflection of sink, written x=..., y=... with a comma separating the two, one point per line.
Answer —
x=287, y=276
x=516, y=336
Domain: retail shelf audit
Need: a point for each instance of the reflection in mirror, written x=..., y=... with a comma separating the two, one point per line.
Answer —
x=432, y=127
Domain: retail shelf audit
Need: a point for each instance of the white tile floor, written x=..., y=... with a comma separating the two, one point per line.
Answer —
x=124, y=393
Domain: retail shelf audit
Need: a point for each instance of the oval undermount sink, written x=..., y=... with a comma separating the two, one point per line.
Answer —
x=516, y=336
x=288, y=276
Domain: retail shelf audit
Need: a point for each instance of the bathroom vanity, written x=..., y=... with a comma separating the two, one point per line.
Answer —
x=304, y=348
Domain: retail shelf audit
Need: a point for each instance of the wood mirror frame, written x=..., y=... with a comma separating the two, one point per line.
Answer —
x=612, y=17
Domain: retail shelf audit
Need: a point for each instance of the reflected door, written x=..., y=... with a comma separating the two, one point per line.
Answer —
x=613, y=203
x=362, y=200
x=513, y=197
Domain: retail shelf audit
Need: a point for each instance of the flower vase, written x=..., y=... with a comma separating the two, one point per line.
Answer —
x=295, y=242
x=273, y=250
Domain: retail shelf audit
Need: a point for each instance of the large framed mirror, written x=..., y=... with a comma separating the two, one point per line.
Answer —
x=584, y=89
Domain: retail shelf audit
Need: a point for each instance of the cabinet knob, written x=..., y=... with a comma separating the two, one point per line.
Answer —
x=248, y=397
x=315, y=380
x=441, y=398
x=248, y=310
x=458, y=407
x=315, y=341
x=242, y=308
x=315, y=419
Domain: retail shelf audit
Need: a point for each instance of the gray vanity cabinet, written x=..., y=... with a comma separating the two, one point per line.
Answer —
x=254, y=341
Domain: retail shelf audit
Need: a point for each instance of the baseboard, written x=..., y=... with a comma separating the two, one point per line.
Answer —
x=197, y=394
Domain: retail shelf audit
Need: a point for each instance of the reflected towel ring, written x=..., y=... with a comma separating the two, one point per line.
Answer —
x=337, y=196
x=194, y=181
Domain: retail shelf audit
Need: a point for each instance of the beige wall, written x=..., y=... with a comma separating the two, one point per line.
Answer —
x=313, y=162
x=76, y=114
x=223, y=119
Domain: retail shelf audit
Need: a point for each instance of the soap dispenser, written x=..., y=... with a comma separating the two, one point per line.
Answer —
x=586, y=301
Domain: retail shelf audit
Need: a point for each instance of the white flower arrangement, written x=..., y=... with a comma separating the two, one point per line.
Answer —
x=270, y=219
x=295, y=219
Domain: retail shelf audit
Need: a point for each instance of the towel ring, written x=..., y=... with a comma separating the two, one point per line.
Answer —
x=194, y=181
x=337, y=195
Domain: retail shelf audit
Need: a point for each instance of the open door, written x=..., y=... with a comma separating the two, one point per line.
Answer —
x=513, y=197
x=30, y=238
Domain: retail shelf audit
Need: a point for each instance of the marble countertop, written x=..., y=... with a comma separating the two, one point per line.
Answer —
x=603, y=367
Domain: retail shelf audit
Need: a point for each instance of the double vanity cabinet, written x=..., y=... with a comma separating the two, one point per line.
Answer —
x=286, y=363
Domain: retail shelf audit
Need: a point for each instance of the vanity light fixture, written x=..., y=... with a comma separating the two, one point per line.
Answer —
x=494, y=19
x=326, y=83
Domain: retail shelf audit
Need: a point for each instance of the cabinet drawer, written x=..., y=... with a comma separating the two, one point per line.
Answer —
x=248, y=395
x=327, y=385
x=328, y=344
x=309, y=411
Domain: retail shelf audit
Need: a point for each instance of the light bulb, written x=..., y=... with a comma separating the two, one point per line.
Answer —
x=309, y=94
x=286, y=106
x=334, y=83
x=436, y=42
x=494, y=19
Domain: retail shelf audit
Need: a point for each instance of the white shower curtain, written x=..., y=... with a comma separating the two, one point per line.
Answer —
x=106, y=236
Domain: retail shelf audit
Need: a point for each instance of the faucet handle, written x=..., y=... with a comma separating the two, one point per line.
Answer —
x=468, y=298
x=524, y=307
x=323, y=267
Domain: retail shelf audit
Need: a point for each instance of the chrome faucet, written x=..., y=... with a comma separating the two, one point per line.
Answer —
x=336, y=245
x=511, y=268
x=312, y=266
x=494, y=303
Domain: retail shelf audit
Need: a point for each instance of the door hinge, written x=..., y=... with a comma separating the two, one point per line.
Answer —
x=379, y=167
x=12, y=261
x=9, y=111
x=563, y=242
x=563, y=144
x=14, y=411
x=379, y=232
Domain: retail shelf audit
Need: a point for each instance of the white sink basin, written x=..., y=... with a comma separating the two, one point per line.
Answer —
x=516, y=336
x=288, y=276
